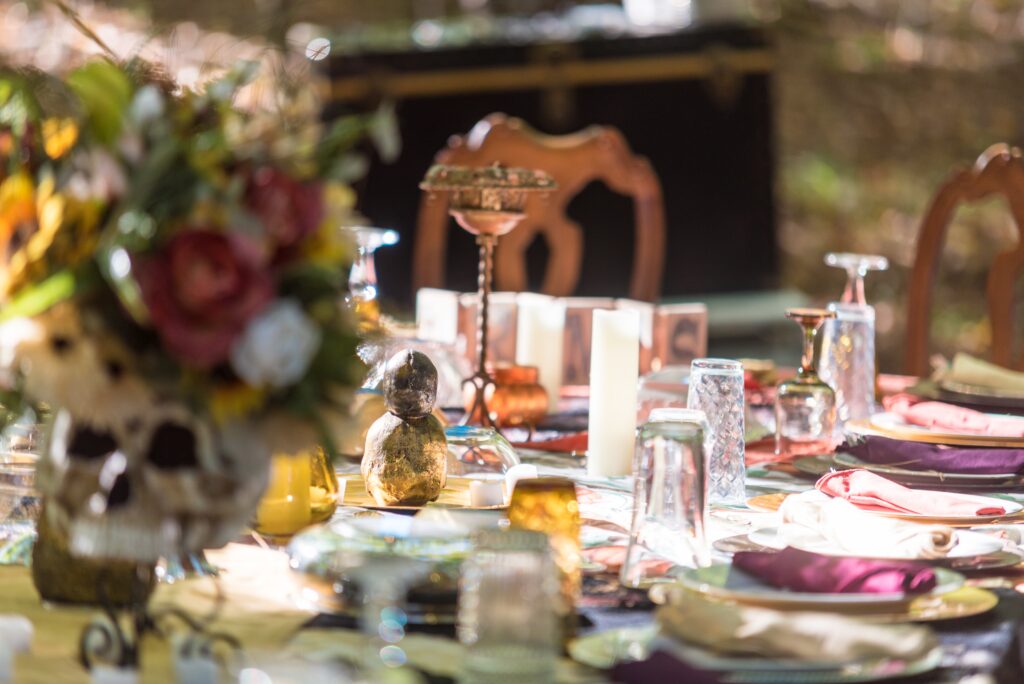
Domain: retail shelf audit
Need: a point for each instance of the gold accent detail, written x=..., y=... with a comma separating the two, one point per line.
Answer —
x=569, y=73
x=454, y=495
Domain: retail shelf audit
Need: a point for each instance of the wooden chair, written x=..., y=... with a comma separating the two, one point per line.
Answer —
x=998, y=171
x=574, y=160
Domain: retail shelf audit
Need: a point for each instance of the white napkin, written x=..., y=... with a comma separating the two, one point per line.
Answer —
x=860, y=532
x=814, y=637
x=969, y=370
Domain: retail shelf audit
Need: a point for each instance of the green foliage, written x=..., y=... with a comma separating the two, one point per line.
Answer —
x=104, y=91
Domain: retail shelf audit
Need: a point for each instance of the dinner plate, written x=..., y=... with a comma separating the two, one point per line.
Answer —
x=990, y=561
x=895, y=423
x=454, y=495
x=845, y=460
x=603, y=650
x=969, y=544
x=882, y=426
x=1014, y=512
x=960, y=603
x=723, y=581
x=981, y=391
x=974, y=396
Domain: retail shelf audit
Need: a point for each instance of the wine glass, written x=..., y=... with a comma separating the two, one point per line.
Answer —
x=362, y=280
x=805, y=407
x=857, y=267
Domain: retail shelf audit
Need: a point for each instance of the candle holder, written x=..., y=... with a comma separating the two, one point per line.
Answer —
x=486, y=202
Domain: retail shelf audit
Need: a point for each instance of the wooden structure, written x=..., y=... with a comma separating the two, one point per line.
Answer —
x=999, y=171
x=574, y=161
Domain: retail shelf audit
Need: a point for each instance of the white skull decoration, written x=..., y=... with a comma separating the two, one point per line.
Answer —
x=129, y=475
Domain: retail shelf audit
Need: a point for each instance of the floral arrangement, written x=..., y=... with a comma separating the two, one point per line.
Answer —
x=159, y=245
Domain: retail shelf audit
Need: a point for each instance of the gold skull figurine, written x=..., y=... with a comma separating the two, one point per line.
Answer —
x=405, y=461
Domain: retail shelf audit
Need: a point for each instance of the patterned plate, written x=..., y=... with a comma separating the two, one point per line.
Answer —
x=603, y=650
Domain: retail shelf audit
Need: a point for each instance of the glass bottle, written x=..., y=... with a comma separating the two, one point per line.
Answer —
x=805, y=407
x=362, y=280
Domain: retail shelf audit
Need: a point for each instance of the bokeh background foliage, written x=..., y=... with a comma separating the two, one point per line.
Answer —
x=877, y=101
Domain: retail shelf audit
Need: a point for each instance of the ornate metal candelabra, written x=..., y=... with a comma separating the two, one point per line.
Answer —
x=487, y=202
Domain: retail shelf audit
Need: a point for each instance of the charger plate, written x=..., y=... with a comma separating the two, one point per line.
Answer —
x=603, y=650
x=974, y=392
x=896, y=423
x=969, y=544
x=771, y=502
x=844, y=461
x=960, y=603
x=990, y=561
x=893, y=427
x=727, y=583
x=454, y=495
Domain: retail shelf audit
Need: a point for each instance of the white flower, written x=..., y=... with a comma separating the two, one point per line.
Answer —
x=97, y=175
x=277, y=346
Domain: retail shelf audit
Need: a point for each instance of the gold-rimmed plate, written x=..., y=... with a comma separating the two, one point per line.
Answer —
x=886, y=425
x=974, y=392
x=844, y=460
x=602, y=650
x=959, y=603
x=727, y=583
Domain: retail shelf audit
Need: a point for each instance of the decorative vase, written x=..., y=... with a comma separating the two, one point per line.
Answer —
x=303, y=491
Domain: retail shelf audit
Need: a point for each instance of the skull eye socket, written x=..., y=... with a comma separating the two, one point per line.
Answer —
x=90, y=444
x=172, y=446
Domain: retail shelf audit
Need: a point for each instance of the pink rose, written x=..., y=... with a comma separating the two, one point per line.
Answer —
x=289, y=210
x=201, y=289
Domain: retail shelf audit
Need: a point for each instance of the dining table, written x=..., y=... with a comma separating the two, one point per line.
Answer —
x=255, y=598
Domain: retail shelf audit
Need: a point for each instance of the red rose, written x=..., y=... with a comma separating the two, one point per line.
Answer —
x=201, y=289
x=289, y=210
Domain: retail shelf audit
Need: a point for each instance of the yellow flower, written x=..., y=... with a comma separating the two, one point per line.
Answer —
x=59, y=136
x=235, y=401
x=339, y=200
x=328, y=246
x=17, y=205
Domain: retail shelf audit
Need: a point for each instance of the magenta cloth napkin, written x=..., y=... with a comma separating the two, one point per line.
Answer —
x=806, y=572
x=944, y=459
x=875, y=493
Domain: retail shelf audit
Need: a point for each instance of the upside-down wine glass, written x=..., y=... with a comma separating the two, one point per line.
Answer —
x=362, y=279
x=857, y=267
x=805, y=407
x=847, y=361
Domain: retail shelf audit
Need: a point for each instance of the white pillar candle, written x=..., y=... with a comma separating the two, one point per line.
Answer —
x=540, y=328
x=15, y=637
x=108, y=674
x=486, y=493
x=523, y=471
x=614, y=373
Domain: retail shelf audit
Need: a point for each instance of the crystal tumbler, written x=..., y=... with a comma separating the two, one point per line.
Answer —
x=506, y=619
x=549, y=505
x=847, y=362
x=716, y=388
x=669, y=497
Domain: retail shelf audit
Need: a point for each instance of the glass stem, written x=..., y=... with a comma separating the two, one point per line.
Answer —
x=807, y=361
